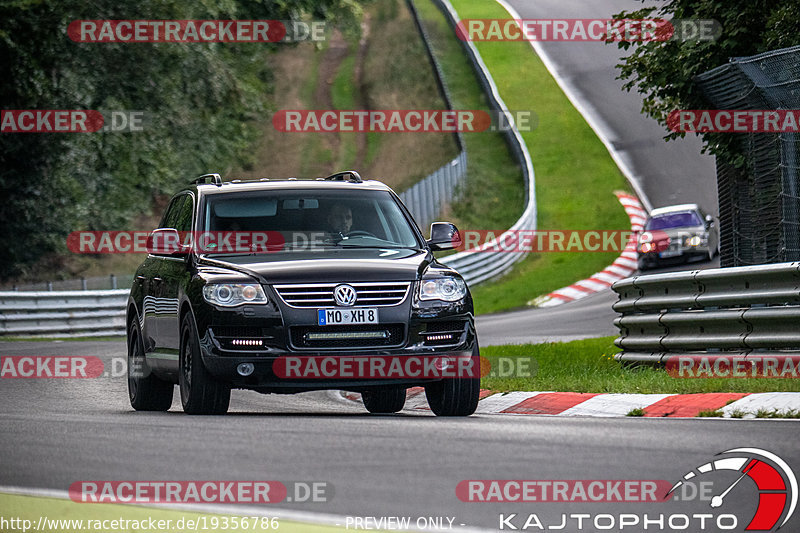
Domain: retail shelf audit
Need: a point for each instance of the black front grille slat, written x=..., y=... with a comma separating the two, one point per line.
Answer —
x=396, y=336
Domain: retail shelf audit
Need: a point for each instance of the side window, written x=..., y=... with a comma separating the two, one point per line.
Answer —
x=183, y=221
x=173, y=211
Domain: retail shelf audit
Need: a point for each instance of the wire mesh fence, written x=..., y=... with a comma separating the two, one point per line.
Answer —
x=759, y=201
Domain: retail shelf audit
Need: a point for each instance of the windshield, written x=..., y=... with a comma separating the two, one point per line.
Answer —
x=313, y=219
x=674, y=220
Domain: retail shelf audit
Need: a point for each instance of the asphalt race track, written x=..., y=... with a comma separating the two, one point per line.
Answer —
x=54, y=432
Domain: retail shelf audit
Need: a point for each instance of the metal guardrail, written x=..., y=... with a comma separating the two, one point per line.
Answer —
x=63, y=314
x=427, y=197
x=481, y=265
x=726, y=311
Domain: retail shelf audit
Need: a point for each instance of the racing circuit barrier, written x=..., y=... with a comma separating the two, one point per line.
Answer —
x=63, y=313
x=739, y=311
x=479, y=265
x=426, y=198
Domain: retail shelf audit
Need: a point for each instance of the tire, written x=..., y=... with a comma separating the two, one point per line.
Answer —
x=201, y=394
x=386, y=400
x=455, y=397
x=145, y=391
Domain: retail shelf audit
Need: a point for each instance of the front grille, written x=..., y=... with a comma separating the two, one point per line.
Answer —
x=378, y=335
x=379, y=294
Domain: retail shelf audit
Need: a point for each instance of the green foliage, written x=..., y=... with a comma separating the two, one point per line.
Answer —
x=199, y=102
x=663, y=71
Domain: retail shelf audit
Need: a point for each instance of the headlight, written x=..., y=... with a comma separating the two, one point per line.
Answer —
x=233, y=294
x=694, y=240
x=449, y=289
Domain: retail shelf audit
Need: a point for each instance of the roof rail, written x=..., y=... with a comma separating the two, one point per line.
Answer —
x=212, y=178
x=354, y=177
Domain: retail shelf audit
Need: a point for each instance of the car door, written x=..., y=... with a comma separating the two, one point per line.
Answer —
x=174, y=273
x=161, y=307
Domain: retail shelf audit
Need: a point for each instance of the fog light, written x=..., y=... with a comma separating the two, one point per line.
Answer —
x=245, y=369
x=443, y=363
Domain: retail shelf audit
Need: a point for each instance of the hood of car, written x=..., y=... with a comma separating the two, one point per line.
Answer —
x=338, y=265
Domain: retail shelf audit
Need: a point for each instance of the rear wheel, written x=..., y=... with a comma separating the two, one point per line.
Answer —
x=387, y=400
x=456, y=396
x=145, y=391
x=201, y=393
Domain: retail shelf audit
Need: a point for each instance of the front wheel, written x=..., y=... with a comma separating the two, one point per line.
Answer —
x=455, y=396
x=201, y=393
x=145, y=391
x=387, y=400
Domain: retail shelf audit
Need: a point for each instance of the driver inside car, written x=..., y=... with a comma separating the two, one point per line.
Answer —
x=340, y=220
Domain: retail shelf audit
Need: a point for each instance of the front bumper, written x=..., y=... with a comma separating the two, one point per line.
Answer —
x=432, y=334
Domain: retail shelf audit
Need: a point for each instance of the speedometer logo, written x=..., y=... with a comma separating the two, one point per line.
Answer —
x=775, y=481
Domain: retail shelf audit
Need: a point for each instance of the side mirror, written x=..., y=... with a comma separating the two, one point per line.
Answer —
x=709, y=221
x=165, y=241
x=444, y=236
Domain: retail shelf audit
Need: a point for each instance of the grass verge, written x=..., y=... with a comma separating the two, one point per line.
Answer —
x=589, y=366
x=575, y=175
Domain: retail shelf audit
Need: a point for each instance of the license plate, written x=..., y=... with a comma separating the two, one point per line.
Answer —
x=669, y=253
x=328, y=317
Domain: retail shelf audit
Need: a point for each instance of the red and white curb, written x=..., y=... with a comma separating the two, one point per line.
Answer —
x=739, y=405
x=622, y=267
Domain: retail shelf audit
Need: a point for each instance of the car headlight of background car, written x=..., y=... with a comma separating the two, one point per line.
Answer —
x=233, y=294
x=446, y=288
x=695, y=240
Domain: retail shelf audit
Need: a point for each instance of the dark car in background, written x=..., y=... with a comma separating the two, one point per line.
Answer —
x=345, y=271
x=676, y=234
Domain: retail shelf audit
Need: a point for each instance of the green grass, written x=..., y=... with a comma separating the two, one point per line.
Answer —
x=575, y=175
x=776, y=413
x=636, y=411
x=589, y=366
x=343, y=97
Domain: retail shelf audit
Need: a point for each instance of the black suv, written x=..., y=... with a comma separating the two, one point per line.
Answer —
x=244, y=275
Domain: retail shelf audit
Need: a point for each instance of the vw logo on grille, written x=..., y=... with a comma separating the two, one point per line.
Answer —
x=344, y=295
